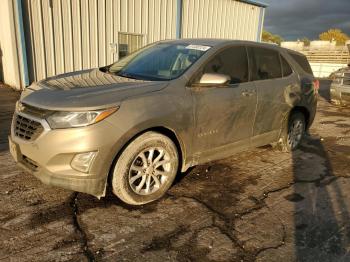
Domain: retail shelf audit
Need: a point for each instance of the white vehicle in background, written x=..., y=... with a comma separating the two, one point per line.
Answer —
x=340, y=88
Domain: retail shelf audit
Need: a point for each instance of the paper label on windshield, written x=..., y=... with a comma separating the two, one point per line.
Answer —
x=198, y=47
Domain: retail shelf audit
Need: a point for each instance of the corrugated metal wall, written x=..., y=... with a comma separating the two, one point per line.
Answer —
x=68, y=35
x=10, y=51
x=220, y=19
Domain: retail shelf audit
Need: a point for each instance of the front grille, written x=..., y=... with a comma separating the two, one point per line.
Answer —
x=26, y=128
x=346, y=79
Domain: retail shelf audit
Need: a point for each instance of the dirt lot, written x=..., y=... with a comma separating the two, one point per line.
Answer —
x=262, y=205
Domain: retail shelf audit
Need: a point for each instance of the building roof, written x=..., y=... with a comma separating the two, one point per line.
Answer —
x=253, y=2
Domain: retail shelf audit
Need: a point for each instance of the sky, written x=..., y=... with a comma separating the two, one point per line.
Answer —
x=295, y=19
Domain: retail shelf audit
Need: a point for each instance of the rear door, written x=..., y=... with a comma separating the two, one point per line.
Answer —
x=273, y=78
x=225, y=115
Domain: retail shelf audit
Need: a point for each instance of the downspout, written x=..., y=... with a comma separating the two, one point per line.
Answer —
x=22, y=43
x=261, y=24
x=178, y=19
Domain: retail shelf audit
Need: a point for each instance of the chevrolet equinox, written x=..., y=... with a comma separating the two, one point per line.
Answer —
x=135, y=124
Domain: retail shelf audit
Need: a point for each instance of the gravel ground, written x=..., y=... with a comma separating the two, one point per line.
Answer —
x=261, y=205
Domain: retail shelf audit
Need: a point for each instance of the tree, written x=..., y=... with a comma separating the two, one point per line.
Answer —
x=271, y=38
x=334, y=34
x=306, y=41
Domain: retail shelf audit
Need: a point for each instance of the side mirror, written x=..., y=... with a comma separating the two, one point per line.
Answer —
x=212, y=79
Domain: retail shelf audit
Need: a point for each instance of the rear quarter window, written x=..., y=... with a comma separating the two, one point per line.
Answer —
x=286, y=69
x=303, y=63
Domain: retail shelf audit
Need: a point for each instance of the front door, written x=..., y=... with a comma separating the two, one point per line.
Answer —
x=224, y=116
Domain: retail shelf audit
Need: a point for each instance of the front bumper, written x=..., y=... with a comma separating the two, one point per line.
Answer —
x=49, y=156
x=92, y=186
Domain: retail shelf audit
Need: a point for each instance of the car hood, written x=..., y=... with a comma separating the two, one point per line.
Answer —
x=86, y=90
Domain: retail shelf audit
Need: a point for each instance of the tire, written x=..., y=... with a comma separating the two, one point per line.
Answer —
x=290, y=140
x=134, y=180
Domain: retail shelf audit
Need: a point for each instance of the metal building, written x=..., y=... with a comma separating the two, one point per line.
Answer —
x=42, y=38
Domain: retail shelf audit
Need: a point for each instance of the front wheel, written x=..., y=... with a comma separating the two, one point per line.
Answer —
x=146, y=169
x=292, y=136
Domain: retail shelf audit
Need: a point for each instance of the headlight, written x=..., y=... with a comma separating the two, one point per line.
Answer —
x=78, y=119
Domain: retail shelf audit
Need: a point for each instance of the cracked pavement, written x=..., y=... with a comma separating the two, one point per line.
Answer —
x=261, y=205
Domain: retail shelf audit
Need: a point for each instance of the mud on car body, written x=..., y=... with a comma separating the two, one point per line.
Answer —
x=135, y=124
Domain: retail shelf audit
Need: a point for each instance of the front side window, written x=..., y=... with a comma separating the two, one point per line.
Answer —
x=232, y=62
x=266, y=64
x=159, y=62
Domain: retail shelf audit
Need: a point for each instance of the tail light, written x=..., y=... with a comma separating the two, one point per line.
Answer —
x=316, y=85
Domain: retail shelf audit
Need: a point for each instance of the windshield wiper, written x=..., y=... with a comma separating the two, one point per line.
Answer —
x=127, y=75
x=140, y=77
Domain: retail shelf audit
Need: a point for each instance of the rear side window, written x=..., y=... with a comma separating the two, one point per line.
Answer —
x=302, y=61
x=232, y=61
x=266, y=64
x=286, y=69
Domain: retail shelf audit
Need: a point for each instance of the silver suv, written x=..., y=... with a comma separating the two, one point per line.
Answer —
x=135, y=124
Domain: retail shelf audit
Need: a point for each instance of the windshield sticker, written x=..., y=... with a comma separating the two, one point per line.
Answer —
x=198, y=47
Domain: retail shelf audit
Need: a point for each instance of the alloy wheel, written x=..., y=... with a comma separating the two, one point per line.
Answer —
x=295, y=134
x=149, y=170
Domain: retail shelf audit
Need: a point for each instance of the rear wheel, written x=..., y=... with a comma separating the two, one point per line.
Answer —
x=293, y=134
x=146, y=169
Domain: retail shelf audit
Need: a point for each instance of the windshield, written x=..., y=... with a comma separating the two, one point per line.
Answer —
x=159, y=62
